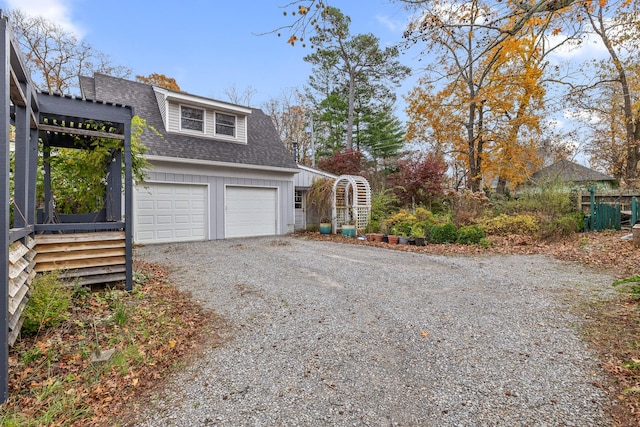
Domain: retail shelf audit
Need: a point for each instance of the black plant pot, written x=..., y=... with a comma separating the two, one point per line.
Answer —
x=385, y=238
x=419, y=241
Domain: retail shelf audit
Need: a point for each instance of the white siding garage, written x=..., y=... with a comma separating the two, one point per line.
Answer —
x=251, y=211
x=167, y=212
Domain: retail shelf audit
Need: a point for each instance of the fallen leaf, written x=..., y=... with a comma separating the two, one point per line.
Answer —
x=424, y=333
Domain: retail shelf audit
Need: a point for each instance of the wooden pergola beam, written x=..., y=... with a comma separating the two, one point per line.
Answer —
x=81, y=132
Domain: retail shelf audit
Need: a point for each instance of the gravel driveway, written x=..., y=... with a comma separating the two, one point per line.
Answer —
x=332, y=334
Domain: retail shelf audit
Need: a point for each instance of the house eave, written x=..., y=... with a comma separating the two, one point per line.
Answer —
x=153, y=158
x=202, y=101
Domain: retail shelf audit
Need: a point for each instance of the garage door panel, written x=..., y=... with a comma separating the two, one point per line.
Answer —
x=250, y=211
x=168, y=212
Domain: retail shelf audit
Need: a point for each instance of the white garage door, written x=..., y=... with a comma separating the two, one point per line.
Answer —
x=250, y=211
x=170, y=213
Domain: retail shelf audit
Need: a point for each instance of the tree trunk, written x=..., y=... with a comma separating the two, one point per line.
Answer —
x=352, y=96
x=501, y=186
x=631, y=130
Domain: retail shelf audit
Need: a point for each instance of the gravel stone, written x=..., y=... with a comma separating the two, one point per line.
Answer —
x=351, y=335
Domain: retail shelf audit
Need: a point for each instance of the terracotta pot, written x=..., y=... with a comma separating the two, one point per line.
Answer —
x=377, y=237
x=393, y=240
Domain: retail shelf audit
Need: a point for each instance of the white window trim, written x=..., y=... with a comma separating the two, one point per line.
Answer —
x=223, y=135
x=192, y=131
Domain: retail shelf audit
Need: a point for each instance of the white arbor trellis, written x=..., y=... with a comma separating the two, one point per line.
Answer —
x=351, y=202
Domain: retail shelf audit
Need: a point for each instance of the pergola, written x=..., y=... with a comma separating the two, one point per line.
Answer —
x=351, y=202
x=55, y=121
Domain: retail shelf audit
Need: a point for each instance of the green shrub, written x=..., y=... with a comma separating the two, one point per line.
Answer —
x=400, y=217
x=443, y=233
x=382, y=205
x=417, y=230
x=510, y=224
x=404, y=228
x=470, y=235
x=48, y=303
x=424, y=215
x=565, y=225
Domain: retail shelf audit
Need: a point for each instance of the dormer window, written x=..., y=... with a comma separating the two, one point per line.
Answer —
x=191, y=119
x=225, y=124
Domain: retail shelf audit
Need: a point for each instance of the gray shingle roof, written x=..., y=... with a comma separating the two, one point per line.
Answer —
x=566, y=171
x=263, y=148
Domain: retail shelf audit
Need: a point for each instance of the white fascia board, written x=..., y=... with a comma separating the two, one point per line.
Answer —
x=202, y=101
x=317, y=171
x=152, y=158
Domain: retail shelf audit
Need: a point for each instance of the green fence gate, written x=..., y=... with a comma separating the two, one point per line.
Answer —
x=602, y=215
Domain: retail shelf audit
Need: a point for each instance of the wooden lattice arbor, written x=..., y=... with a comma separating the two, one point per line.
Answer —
x=351, y=202
x=99, y=248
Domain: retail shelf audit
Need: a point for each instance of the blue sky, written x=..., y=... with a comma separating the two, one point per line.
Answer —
x=209, y=46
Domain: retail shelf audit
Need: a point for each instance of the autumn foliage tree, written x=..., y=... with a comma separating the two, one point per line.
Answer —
x=479, y=104
x=419, y=179
x=343, y=162
x=610, y=98
x=160, y=80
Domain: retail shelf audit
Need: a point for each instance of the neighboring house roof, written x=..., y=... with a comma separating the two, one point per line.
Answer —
x=263, y=147
x=566, y=171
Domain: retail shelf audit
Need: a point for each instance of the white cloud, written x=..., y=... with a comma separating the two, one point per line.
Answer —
x=391, y=24
x=57, y=11
x=591, y=47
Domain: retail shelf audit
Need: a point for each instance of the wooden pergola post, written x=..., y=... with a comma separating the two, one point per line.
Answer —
x=5, y=69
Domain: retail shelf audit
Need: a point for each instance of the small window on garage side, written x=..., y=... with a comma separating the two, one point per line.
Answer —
x=225, y=124
x=298, y=199
x=191, y=119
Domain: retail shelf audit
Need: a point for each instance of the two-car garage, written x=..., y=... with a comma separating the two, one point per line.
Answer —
x=178, y=212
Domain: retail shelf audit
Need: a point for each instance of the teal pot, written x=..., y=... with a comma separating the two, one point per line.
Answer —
x=325, y=228
x=349, y=230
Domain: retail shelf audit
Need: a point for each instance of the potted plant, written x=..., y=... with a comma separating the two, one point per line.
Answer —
x=320, y=198
x=349, y=228
x=418, y=233
x=393, y=237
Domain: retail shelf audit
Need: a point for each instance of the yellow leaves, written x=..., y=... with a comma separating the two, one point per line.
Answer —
x=172, y=343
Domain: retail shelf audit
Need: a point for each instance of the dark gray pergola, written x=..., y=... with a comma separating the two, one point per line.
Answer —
x=56, y=121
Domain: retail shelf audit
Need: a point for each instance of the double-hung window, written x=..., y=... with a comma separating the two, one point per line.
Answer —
x=225, y=124
x=192, y=119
